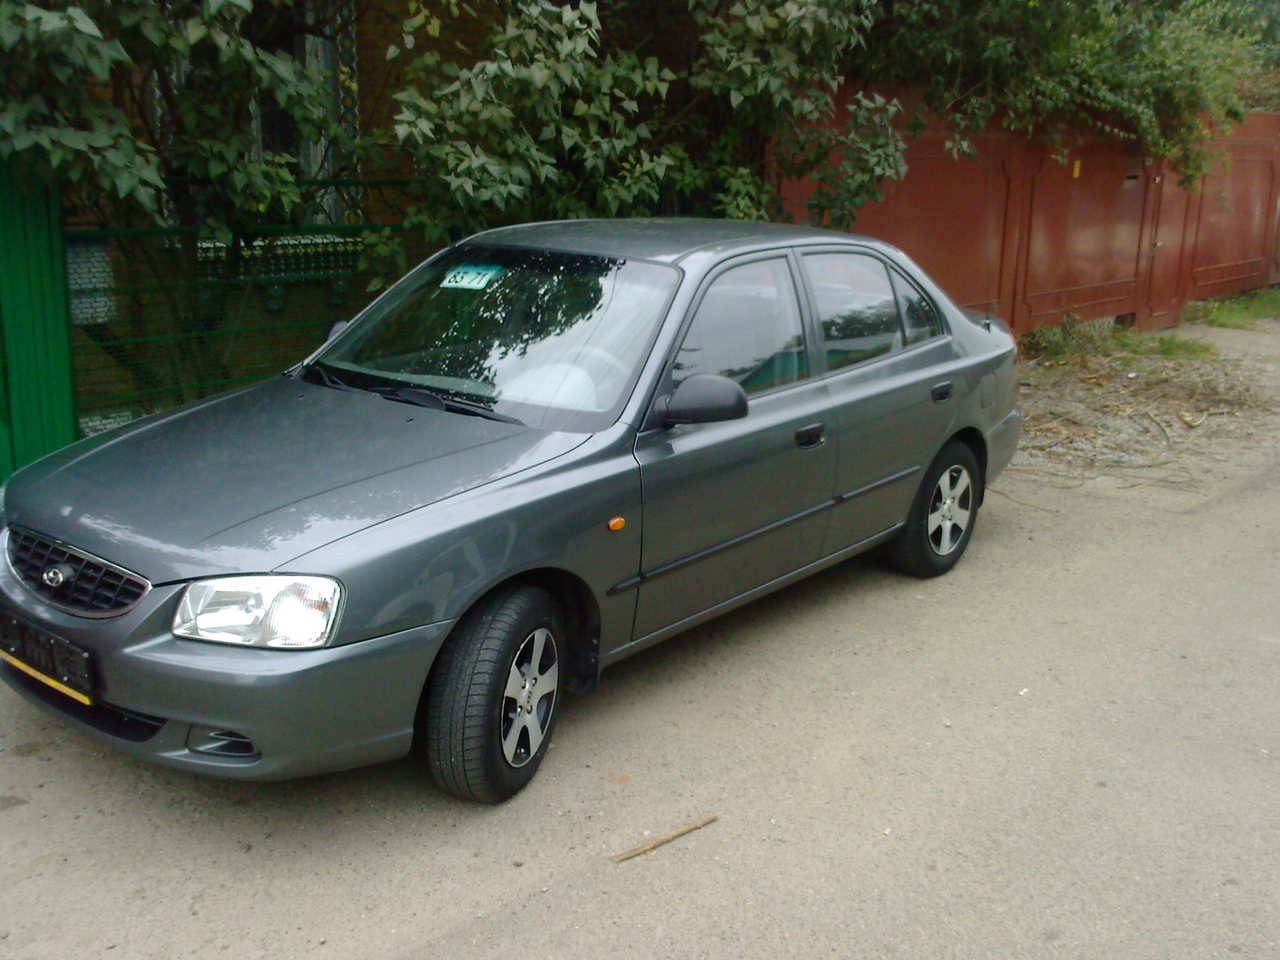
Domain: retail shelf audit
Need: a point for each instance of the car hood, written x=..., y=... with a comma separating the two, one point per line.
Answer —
x=248, y=481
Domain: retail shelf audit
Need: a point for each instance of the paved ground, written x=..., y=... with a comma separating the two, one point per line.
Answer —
x=1068, y=747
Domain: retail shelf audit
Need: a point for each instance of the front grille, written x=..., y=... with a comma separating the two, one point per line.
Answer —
x=85, y=585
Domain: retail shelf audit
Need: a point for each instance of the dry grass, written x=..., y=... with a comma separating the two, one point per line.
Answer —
x=1098, y=398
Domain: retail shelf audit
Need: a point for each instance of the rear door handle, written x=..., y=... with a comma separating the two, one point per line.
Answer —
x=942, y=392
x=811, y=436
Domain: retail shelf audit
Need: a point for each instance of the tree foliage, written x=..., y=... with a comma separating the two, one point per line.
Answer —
x=159, y=107
x=554, y=108
x=1168, y=74
x=678, y=107
x=698, y=106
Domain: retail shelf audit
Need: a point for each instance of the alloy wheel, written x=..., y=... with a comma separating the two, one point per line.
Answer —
x=530, y=697
x=950, y=510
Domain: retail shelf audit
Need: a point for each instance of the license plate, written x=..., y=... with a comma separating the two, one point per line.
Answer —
x=53, y=661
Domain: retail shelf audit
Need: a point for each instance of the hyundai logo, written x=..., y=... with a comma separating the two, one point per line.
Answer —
x=57, y=576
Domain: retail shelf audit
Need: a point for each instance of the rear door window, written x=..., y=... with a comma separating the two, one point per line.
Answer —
x=857, y=310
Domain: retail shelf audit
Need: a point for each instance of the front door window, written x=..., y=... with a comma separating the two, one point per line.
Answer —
x=748, y=329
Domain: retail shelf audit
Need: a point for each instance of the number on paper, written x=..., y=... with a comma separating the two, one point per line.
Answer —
x=471, y=277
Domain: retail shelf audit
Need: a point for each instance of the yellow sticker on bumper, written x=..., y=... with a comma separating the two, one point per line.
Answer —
x=48, y=681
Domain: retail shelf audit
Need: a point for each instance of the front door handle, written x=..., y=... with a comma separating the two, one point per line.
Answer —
x=810, y=436
x=942, y=392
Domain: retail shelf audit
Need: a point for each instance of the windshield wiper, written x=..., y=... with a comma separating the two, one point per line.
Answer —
x=419, y=396
x=422, y=397
x=326, y=378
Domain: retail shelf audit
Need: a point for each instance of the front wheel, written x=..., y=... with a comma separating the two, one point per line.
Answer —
x=942, y=515
x=492, y=696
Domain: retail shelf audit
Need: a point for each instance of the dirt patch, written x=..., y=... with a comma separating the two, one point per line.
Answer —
x=1148, y=420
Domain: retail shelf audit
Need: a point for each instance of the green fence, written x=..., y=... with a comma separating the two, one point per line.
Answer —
x=100, y=326
x=35, y=391
x=161, y=317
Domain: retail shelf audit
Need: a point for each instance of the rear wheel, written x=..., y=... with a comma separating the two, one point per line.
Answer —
x=493, y=693
x=942, y=515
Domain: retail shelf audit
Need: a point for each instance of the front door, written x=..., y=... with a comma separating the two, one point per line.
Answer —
x=731, y=506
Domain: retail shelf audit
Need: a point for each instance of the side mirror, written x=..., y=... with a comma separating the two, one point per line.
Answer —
x=336, y=329
x=706, y=398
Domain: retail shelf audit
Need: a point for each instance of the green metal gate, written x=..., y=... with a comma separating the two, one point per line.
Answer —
x=35, y=398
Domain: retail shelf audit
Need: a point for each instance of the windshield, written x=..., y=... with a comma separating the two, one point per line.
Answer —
x=555, y=340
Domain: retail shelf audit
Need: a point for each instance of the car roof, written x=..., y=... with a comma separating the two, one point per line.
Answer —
x=664, y=239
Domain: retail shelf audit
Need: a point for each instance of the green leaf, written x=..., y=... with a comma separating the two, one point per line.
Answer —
x=82, y=22
x=48, y=22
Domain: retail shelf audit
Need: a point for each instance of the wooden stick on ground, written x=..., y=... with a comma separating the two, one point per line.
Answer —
x=1163, y=429
x=665, y=838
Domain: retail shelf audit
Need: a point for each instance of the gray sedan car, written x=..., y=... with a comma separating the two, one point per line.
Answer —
x=546, y=448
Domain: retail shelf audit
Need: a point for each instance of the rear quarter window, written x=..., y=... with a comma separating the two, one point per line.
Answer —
x=920, y=318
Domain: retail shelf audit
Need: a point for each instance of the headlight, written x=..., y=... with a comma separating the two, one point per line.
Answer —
x=266, y=611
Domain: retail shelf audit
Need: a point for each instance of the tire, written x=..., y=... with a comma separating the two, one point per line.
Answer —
x=925, y=551
x=491, y=709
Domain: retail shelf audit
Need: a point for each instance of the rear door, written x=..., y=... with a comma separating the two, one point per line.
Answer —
x=730, y=506
x=889, y=360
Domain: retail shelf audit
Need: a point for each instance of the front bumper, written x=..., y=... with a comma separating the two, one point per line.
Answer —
x=304, y=711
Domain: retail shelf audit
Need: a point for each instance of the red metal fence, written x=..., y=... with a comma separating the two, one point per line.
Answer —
x=1107, y=233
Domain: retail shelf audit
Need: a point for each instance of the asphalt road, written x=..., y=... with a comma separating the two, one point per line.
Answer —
x=1068, y=747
